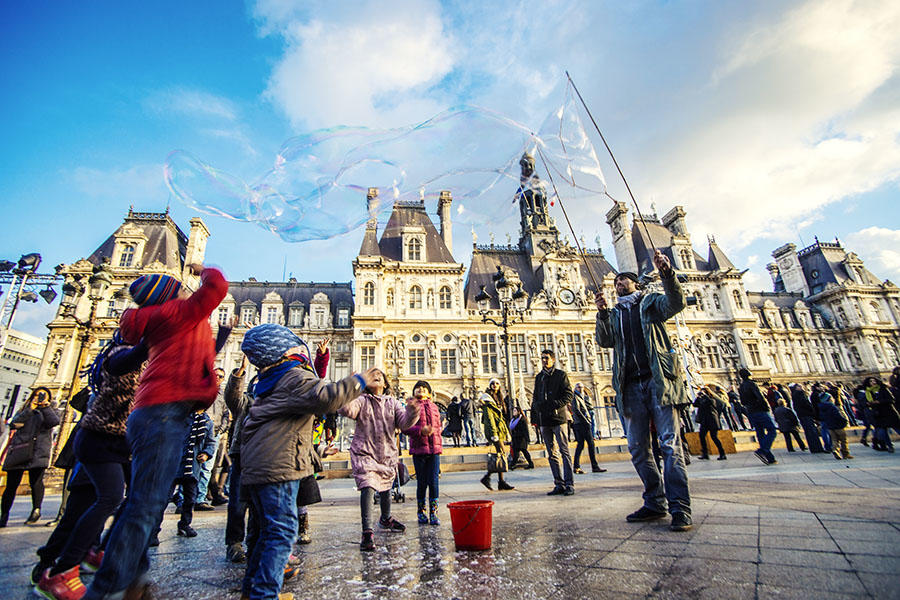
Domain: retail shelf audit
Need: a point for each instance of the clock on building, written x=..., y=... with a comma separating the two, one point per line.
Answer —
x=566, y=296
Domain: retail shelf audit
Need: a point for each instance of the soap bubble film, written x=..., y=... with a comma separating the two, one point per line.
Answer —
x=317, y=187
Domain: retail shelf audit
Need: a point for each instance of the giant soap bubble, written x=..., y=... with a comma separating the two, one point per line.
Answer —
x=318, y=184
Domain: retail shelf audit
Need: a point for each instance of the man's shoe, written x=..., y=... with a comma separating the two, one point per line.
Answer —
x=645, y=514
x=578, y=471
x=290, y=571
x=681, y=522
x=703, y=457
x=570, y=491
x=186, y=531
x=486, y=481
x=864, y=441
x=392, y=524
x=504, y=486
x=92, y=561
x=368, y=541
x=597, y=469
x=530, y=466
x=235, y=553
x=62, y=586
x=557, y=491
x=722, y=457
x=34, y=517
x=848, y=456
x=204, y=506
x=220, y=500
x=762, y=457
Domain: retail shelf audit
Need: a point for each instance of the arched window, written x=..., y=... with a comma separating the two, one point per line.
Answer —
x=716, y=302
x=444, y=297
x=369, y=293
x=737, y=298
x=414, y=249
x=127, y=255
x=876, y=312
x=686, y=258
x=699, y=298
x=415, y=297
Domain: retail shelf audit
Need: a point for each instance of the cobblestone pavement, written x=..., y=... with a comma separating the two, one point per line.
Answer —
x=809, y=527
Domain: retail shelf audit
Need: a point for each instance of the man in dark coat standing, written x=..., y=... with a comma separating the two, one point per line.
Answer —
x=760, y=418
x=552, y=393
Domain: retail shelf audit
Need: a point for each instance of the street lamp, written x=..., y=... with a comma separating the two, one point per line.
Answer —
x=20, y=275
x=513, y=302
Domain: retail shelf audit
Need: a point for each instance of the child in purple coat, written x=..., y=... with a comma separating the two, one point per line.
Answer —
x=425, y=447
x=373, y=452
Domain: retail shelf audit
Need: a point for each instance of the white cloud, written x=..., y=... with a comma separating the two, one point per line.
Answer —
x=192, y=103
x=879, y=247
x=138, y=184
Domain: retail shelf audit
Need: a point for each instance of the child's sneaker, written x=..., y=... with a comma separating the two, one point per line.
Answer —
x=392, y=524
x=368, y=541
x=62, y=586
x=92, y=561
x=432, y=516
x=37, y=571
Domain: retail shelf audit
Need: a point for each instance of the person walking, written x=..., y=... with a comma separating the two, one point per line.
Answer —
x=425, y=446
x=467, y=414
x=29, y=450
x=374, y=456
x=806, y=414
x=199, y=448
x=884, y=413
x=757, y=408
x=735, y=401
x=521, y=437
x=454, y=421
x=708, y=420
x=649, y=383
x=788, y=425
x=178, y=378
x=814, y=395
x=238, y=398
x=552, y=394
x=832, y=415
x=580, y=409
x=495, y=429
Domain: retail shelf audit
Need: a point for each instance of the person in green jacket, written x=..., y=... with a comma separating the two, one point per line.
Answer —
x=495, y=429
x=649, y=382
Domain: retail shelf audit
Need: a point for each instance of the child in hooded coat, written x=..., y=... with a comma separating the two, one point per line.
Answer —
x=425, y=445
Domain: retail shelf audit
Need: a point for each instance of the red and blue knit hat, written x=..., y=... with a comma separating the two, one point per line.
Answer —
x=152, y=289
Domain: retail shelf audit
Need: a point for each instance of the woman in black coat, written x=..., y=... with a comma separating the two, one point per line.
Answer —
x=29, y=450
x=518, y=428
x=708, y=420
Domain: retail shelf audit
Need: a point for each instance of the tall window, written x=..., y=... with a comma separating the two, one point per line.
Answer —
x=415, y=297
x=223, y=315
x=366, y=357
x=517, y=352
x=343, y=317
x=753, y=349
x=737, y=298
x=699, y=298
x=247, y=314
x=712, y=356
x=272, y=314
x=686, y=258
x=417, y=361
x=127, y=256
x=448, y=361
x=320, y=319
x=716, y=302
x=489, y=352
x=836, y=359
x=545, y=342
x=414, y=249
x=296, y=316
x=576, y=354
x=444, y=297
x=369, y=293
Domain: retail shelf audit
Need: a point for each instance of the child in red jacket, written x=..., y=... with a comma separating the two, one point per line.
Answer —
x=425, y=447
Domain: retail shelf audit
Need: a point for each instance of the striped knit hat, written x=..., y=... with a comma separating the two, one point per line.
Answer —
x=154, y=289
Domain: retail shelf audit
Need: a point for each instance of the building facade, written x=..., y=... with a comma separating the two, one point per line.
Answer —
x=19, y=366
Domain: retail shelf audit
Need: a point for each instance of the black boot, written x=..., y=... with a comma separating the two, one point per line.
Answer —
x=34, y=517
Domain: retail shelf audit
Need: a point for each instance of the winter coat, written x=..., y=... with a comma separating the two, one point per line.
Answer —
x=182, y=350
x=492, y=419
x=37, y=425
x=786, y=419
x=802, y=405
x=420, y=443
x=666, y=368
x=881, y=402
x=581, y=409
x=466, y=408
x=521, y=436
x=830, y=415
x=707, y=416
x=752, y=398
x=454, y=420
x=276, y=438
x=114, y=398
x=552, y=394
x=201, y=440
x=373, y=451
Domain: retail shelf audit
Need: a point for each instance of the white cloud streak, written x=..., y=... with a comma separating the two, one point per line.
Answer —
x=879, y=247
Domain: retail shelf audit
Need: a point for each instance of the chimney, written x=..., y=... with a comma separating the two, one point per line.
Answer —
x=196, y=246
x=623, y=244
x=674, y=221
x=444, y=202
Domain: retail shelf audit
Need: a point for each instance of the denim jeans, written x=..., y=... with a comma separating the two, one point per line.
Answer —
x=428, y=467
x=766, y=432
x=276, y=507
x=811, y=432
x=156, y=435
x=206, y=469
x=557, y=445
x=469, y=429
x=826, y=437
x=641, y=405
x=235, y=525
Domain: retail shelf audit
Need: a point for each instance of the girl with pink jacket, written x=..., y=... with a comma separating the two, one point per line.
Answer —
x=373, y=452
x=425, y=447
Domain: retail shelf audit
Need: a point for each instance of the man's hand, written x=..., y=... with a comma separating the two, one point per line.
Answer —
x=323, y=345
x=662, y=263
x=243, y=368
x=195, y=268
x=600, y=301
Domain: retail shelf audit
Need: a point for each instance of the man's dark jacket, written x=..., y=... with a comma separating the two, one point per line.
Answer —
x=752, y=398
x=802, y=406
x=552, y=392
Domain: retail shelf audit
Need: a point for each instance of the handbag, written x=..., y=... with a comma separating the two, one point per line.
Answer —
x=80, y=400
x=19, y=454
x=496, y=463
x=402, y=473
x=308, y=492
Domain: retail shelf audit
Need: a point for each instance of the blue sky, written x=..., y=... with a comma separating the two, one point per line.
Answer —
x=769, y=121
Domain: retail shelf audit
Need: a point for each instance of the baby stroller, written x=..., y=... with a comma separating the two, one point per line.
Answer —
x=401, y=479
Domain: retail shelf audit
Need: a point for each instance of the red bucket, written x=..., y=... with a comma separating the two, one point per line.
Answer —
x=471, y=523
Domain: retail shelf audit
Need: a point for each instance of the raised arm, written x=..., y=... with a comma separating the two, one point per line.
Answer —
x=406, y=417
x=351, y=410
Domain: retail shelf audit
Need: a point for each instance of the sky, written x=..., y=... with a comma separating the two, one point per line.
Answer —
x=770, y=122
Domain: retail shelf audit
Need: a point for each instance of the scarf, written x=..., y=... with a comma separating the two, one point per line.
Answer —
x=269, y=378
x=627, y=301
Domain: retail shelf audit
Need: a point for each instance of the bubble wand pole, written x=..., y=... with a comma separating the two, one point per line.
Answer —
x=615, y=162
x=568, y=222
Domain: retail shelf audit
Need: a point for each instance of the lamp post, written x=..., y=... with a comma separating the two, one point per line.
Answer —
x=98, y=284
x=18, y=276
x=513, y=302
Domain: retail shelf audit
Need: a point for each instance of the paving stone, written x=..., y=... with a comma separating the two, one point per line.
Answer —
x=868, y=563
x=882, y=586
x=810, y=579
x=803, y=558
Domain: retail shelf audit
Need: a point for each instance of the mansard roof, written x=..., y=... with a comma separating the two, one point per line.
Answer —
x=660, y=237
x=784, y=302
x=369, y=246
x=292, y=292
x=717, y=260
x=166, y=243
x=407, y=214
x=827, y=262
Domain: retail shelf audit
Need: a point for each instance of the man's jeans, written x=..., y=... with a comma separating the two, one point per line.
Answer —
x=469, y=429
x=276, y=506
x=766, y=432
x=641, y=404
x=235, y=525
x=826, y=437
x=555, y=437
x=206, y=469
x=156, y=435
x=811, y=432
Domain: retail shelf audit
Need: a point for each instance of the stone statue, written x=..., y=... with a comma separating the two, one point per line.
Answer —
x=532, y=195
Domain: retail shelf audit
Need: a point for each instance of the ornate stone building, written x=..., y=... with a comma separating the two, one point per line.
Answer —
x=19, y=365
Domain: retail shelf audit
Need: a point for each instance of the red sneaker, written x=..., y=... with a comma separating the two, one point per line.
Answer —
x=92, y=561
x=63, y=586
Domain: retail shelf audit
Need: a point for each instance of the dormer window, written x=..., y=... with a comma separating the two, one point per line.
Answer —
x=414, y=249
x=127, y=257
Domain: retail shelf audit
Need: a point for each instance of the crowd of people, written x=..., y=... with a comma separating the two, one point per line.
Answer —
x=162, y=425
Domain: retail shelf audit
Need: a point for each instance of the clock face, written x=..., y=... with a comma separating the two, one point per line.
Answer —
x=566, y=296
